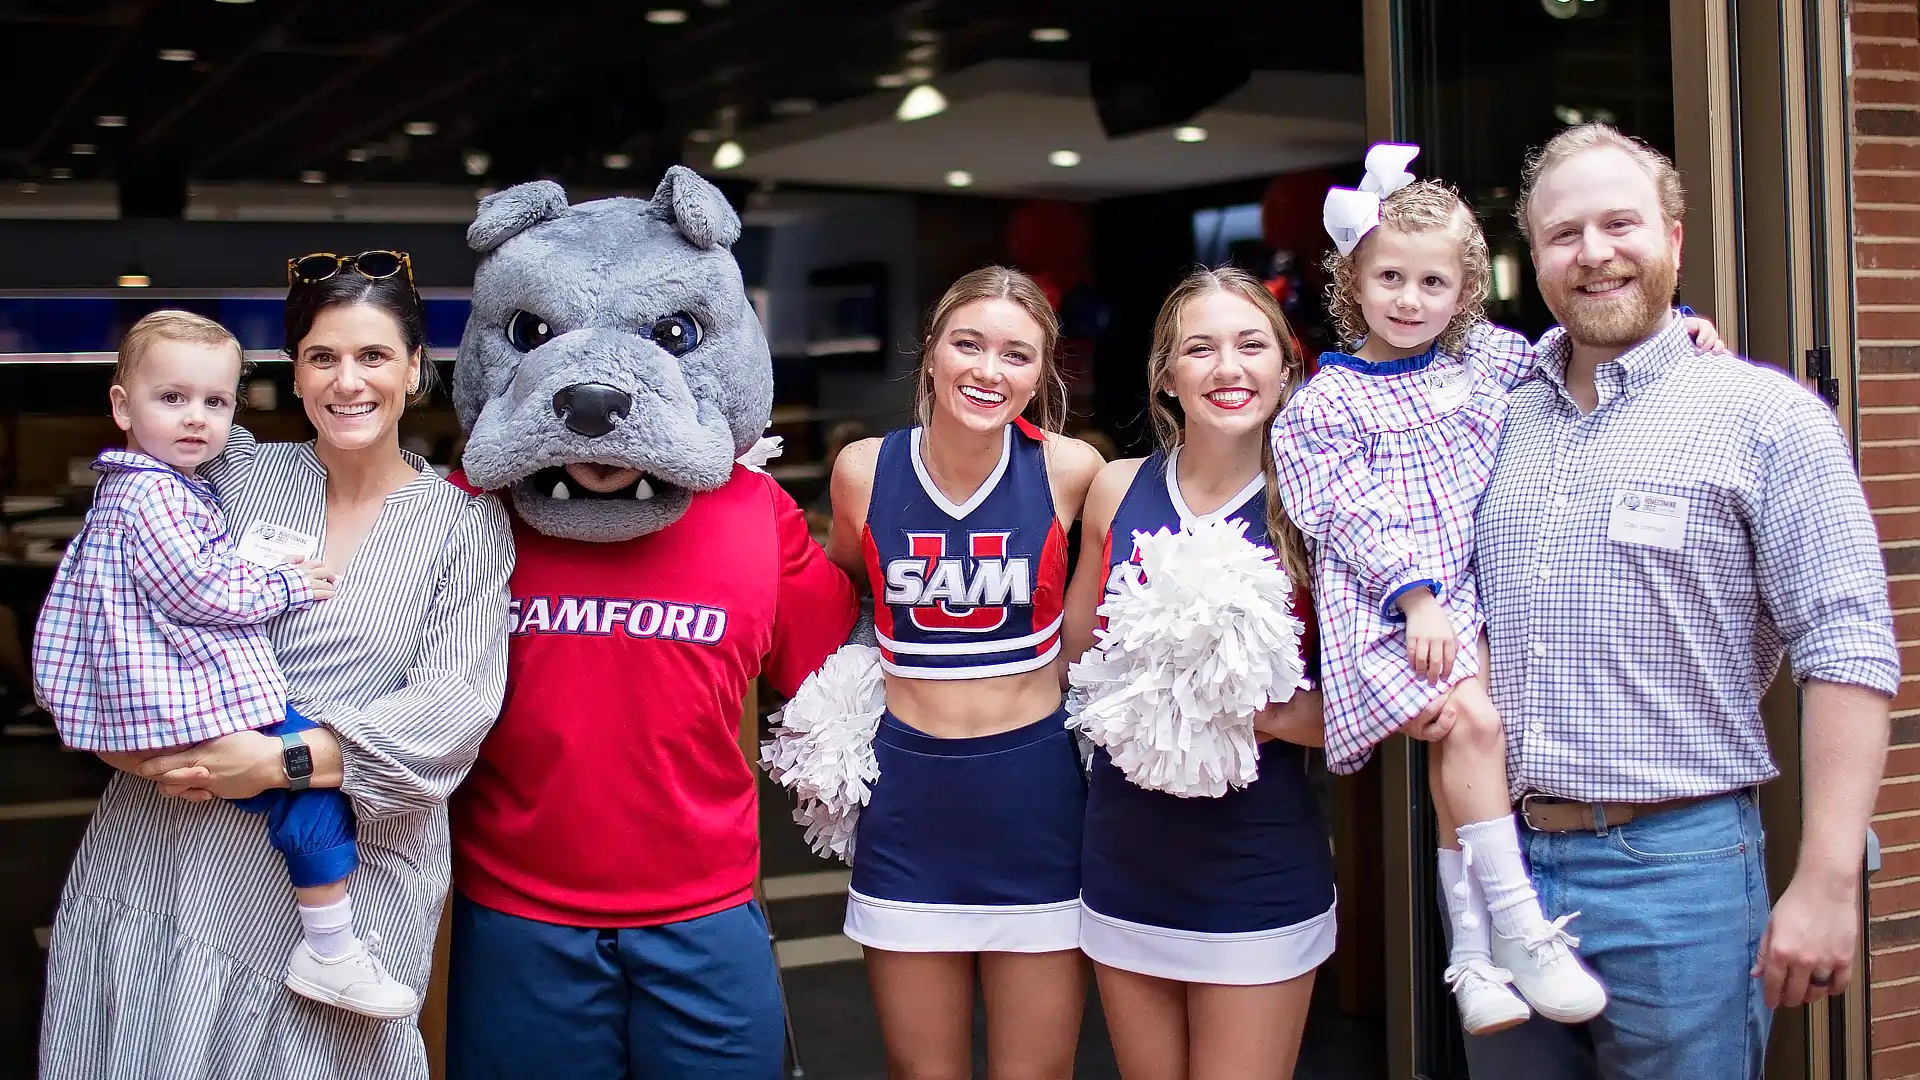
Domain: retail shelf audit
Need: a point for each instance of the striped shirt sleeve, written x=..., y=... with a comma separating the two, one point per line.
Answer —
x=408, y=750
x=1831, y=610
x=173, y=555
x=1333, y=497
x=1507, y=356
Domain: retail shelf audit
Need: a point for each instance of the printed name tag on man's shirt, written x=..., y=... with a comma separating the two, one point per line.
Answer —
x=1650, y=518
x=269, y=545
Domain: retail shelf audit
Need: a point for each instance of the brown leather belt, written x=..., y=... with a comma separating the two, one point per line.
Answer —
x=1550, y=813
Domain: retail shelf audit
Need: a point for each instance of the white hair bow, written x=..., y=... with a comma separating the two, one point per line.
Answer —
x=1351, y=214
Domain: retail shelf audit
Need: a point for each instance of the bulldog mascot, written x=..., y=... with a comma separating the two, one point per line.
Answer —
x=606, y=844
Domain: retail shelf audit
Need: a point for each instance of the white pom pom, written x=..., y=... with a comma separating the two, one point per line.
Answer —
x=1460, y=890
x=822, y=747
x=1194, y=646
x=757, y=455
x=1469, y=921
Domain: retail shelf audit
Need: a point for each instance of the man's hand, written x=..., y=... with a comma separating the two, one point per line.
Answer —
x=1807, y=951
x=1431, y=644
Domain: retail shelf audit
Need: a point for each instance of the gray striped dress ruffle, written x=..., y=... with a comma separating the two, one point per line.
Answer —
x=173, y=932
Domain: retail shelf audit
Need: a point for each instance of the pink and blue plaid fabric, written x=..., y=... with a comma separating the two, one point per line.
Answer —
x=1381, y=466
x=151, y=636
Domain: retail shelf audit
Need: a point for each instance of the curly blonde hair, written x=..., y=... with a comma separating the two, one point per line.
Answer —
x=1422, y=206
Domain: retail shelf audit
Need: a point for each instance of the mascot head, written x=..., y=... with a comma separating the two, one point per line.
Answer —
x=613, y=364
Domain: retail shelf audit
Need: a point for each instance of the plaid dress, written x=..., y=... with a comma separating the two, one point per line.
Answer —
x=1381, y=466
x=153, y=633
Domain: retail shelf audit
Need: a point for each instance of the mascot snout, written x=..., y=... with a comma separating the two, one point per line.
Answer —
x=591, y=409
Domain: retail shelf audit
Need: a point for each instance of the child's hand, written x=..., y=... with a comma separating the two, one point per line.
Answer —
x=1433, y=723
x=1431, y=644
x=323, y=580
x=1705, y=338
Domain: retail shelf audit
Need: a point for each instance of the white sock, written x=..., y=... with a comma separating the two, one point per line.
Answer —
x=1472, y=939
x=1502, y=874
x=329, y=929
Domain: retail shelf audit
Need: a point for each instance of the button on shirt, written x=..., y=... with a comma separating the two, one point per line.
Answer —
x=1644, y=568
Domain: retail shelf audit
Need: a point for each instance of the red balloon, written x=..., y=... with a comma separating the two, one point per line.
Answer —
x=1290, y=212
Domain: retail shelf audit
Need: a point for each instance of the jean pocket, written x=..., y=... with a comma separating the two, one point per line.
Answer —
x=1703, y=833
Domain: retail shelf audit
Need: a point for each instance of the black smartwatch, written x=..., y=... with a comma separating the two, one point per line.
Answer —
x=296, y=761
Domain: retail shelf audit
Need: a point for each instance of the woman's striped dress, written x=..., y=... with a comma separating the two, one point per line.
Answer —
x=174, y=930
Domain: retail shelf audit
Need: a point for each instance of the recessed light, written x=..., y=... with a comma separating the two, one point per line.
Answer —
x=923, y=36
x=700, y=135
x=110, y=121
x=357, y=155
x=617, y=161
x=1049, y=35
x=313, y=176
x=1190, y=133
x=1065, y=159
x=920, y=54
x=892, y=80
x=959, y=178
x=476, y=162
x=62, y=173
x=179, y=56
x=421, y=128
x=135, y=281
x=918, y=73
x=84, y=149
x=29, y=188
x=233, y=1
x=729, y=156
x=921, y=102
x=666, y=16
x=794, y=106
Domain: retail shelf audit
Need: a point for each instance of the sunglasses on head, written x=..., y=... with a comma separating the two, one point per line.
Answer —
x=373, y=265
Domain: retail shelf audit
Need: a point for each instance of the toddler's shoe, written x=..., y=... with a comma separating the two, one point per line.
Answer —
x=1549, y=975
x=1485, y=996
x=356, y=982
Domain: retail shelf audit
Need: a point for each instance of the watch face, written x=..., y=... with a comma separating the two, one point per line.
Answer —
x=297, y=760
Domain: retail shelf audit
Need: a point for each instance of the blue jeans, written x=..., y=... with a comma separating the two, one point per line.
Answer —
x=312, y=830
x=1672, y=907
x=699, y=998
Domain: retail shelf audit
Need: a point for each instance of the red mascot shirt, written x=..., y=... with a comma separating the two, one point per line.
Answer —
x=612, y=792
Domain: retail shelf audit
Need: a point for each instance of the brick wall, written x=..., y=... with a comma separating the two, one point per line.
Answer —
x=1886, y=191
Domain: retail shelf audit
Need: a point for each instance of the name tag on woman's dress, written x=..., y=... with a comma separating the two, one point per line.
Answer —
x=269, y=545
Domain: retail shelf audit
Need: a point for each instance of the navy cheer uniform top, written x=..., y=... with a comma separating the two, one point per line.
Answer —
x=1250, y=862
x=972, y=590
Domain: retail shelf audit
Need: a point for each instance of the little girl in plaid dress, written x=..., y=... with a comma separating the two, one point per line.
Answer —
x=1382, y=457
x=153, y=635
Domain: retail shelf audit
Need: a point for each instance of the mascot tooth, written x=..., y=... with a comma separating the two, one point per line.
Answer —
x=606, y=842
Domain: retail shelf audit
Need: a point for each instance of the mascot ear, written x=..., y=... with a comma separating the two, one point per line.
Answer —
x=504, y=214
x=696, y=208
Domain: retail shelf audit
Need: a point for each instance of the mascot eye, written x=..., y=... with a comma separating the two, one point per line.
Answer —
x=678, y=333
x=527, y=331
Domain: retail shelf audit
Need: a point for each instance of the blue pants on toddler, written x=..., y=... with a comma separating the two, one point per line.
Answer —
x=312, y=829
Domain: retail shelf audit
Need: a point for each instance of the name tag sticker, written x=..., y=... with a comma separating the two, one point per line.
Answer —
x=1648, y=517
x=269, y=545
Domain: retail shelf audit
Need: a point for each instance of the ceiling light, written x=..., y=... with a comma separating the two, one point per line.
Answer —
x=84, y=149
x=959, y=178
x=1190, y=133
x=729, y=155
x=1049, y=35
x=921, y=102
x=420, y=129
x=178, y=56
x=797, y=106
x=135, y=281
x=476, y=162
x=666, y=16
x=1065, y=159
x=233, y=1
x=700, y=135
x=29, y=188
x=617, y=161
x=110, y=121
x=892, y=80
x=1567, y=115
x=919, y=73
x=313, y=176
x=923, y=36
x=357, y=155
x=1561, y=9
x=920, y=54
x=62, y=173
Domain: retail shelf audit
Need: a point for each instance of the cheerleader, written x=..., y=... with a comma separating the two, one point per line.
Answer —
x=967, y=856
x=1206, y=917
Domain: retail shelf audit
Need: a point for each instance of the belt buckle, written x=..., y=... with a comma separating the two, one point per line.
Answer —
x=1526, y=809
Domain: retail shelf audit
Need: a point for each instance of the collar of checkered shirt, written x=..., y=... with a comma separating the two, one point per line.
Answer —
x=1631, y=371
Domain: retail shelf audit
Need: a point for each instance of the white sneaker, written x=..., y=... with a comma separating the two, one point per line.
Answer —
x=356, y=982
x=1485, y=996
x=1549, y=975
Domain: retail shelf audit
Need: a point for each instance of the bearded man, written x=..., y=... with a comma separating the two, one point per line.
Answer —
x=1662, y=527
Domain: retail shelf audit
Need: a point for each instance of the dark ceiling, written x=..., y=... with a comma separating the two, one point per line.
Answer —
x=539, y=87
